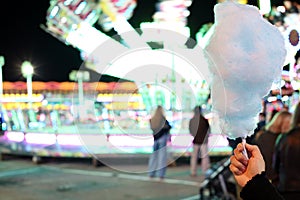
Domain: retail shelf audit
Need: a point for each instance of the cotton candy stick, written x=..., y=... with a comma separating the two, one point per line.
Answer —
x=245, y=151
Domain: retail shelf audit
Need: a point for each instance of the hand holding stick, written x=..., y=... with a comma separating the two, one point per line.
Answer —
x=244, y=168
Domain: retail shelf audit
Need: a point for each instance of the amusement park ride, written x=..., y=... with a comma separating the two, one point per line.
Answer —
x=121, y=120
x=73, y=22
x=118, y=128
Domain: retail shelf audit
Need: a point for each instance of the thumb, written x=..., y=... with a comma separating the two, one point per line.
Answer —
x=253, y=150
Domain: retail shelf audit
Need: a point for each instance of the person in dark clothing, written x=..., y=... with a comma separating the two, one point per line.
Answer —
x=250, y=175
x=265, y=139
x=161, y=134
x=260, y=125
x=286, y=159
x=199, y=128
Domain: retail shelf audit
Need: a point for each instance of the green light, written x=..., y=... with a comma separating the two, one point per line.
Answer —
x=1, y=61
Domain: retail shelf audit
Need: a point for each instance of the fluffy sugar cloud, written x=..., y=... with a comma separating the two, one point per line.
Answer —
x=245, y=54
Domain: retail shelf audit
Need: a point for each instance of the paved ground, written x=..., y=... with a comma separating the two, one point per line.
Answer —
x=20, y=179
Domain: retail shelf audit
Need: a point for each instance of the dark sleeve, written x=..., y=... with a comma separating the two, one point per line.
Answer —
x=260, y=188
x=167, y=126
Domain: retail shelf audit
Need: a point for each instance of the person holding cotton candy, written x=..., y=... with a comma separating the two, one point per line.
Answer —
x=250, y=175
x=245, y=55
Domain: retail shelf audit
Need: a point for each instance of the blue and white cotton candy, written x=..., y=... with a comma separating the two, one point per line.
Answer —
x=245, y=54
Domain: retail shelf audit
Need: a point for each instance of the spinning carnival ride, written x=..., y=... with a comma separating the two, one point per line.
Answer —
x=73, y=21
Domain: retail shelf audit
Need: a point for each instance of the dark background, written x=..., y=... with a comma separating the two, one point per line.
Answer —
x=22, y=38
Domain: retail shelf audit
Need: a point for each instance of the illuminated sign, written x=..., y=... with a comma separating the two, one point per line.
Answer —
x=125, y=106
x=14, y=98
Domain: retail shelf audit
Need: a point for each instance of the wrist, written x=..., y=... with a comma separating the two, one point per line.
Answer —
x=246, y=181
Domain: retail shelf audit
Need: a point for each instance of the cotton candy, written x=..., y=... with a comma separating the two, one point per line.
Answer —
x=245, y=55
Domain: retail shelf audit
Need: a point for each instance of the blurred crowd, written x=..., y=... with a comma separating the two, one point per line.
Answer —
x=284, y=15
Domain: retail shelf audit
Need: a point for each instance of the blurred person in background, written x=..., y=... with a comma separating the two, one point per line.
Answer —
x=261, y=122
x=265, y=139
x=259, y=126
x=199, y=129
x=287, y=159
x=161, y=134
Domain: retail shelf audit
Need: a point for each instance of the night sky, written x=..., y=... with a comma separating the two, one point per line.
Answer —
x=23, y=39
